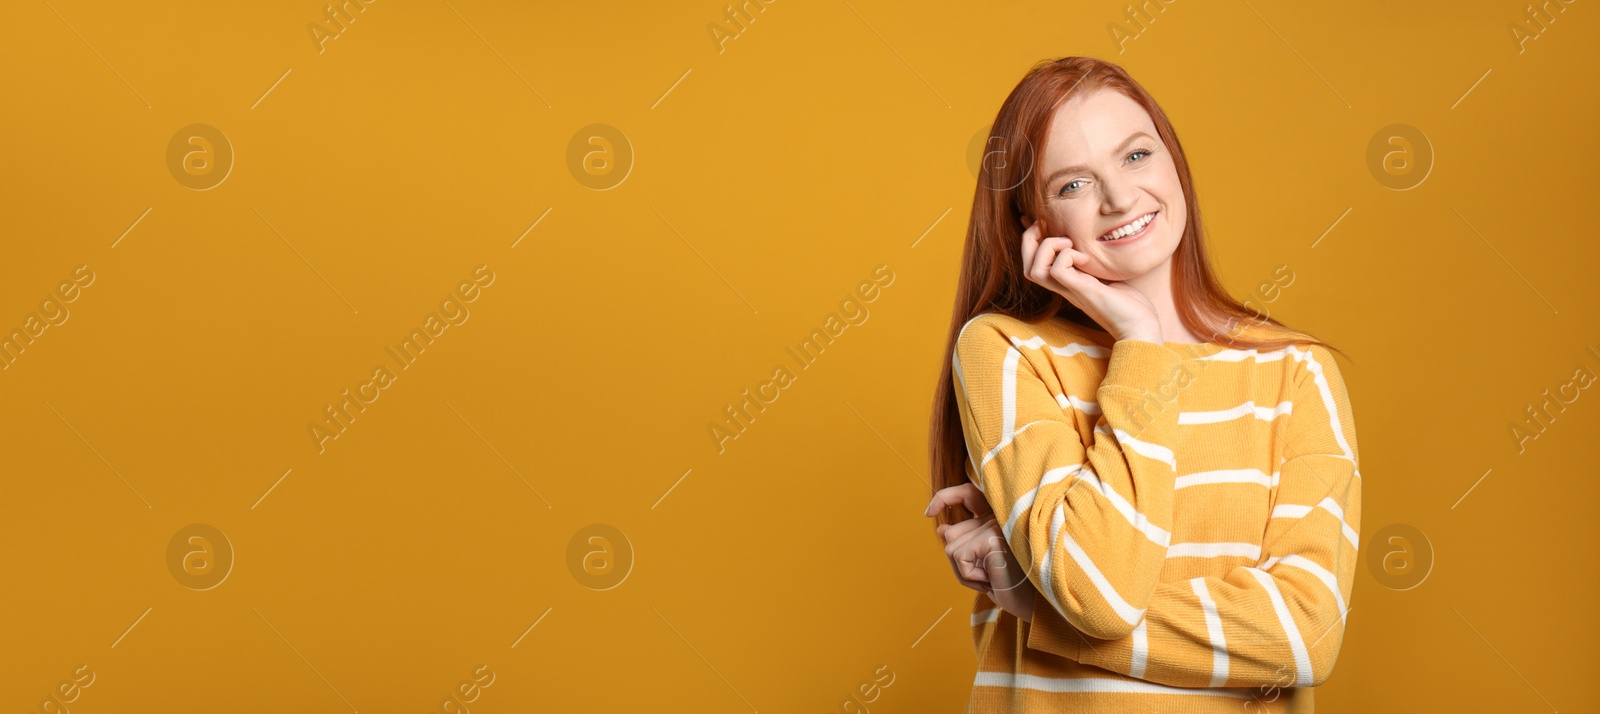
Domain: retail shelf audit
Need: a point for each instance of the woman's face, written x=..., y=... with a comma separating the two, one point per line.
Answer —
x=1106, y=169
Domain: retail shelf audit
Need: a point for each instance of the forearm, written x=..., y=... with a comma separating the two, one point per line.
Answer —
x=1087, y=515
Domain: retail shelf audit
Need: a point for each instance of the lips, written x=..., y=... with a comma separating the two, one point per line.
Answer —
x=1142, y=221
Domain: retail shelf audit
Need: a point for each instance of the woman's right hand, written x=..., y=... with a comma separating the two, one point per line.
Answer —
x=1116, y=306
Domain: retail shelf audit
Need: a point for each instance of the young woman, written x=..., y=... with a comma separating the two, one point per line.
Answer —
x=1153, y=488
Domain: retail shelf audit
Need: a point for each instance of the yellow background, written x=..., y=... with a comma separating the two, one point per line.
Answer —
x=768, y=180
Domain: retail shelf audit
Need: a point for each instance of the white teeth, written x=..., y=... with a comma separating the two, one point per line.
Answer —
x=1131, y=228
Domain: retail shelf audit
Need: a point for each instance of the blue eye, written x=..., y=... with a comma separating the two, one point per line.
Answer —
x=1065, y=188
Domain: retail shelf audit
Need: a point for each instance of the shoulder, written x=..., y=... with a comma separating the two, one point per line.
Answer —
x=988, y=324
x=992, y=331
x=1302, y=356
x=1317, y=367
x=995, y=346
x=986, y=334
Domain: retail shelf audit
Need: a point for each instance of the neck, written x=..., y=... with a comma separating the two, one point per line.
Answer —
x=1156, y=286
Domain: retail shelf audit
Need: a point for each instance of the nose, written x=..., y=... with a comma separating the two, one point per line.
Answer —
x=1117, y=195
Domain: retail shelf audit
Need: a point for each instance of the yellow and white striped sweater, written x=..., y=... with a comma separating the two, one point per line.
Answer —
x=1188, y=512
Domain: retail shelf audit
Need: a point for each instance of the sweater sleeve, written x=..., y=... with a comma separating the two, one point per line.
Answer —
x=1281, y=621
x=1090, y=521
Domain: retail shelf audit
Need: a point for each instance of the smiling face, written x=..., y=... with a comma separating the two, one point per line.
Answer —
x=1111, y=186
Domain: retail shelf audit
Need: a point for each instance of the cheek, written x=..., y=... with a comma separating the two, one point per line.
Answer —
x=1170, y=189
x=1073, y=224
x=1177, y=218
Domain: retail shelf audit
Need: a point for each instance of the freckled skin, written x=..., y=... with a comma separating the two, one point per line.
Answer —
x=1125, y=171
x=1117, y=186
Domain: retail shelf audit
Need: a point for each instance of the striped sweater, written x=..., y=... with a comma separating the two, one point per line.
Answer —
x=1187, y=512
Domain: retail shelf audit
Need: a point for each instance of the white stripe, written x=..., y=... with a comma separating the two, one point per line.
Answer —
x=1141, y=651
x=1146, y=449
x=1241, y=355
x=1327, y=399
x=983, y=616
x=1203, y=478
x=1099, y=685
x=1291, y=510
x=1219, y=643
x=1127, y=612
x=1247, y=408
x=1328, y=504
x=1067, y=401
x=1214, y=550
x=1297, y=645
x=1311, y=566
x=987, y=457
x=1008, y=385
x=1332, y=506
x=1026, y=501
x=1008, y=404
x=1067, y=350
x=1155, y=533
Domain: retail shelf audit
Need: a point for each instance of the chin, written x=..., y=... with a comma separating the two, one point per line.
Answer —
x=1115, y=276
x=1128, y=268
x=1135, y=263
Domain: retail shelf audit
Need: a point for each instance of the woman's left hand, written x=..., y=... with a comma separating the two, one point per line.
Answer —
x=1010, y=587
x=980, y=557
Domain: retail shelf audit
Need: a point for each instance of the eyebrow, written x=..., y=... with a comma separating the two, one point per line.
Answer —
x=1080, y=167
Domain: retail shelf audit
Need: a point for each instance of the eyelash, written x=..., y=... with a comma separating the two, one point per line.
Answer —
x=1062, y=193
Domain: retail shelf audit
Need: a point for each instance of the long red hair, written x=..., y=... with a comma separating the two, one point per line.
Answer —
x=992, y=278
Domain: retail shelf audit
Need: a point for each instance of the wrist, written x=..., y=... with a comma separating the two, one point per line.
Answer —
x=1141, y=336
x=1143, y=333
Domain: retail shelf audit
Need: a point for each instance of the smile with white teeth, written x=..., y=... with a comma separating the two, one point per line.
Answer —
x=1137, y=225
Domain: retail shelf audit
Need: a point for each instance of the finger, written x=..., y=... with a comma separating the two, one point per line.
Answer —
x=974, y=541
x=971, y=549
x=942, y=499
x=977, y=585
x=1067, y=265
x=1030, y=240
x=958, y=532
x=998, y=562
x=970, y=566
x=974, y=501
x=1065, y=271
x=966, y=494
x=969, y=571
x=1044, y=254
x=1003, y=571
x=970, y=574
x=1081, y=284
x=1051, y=252
x=1059, y=246
x=965, y=581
